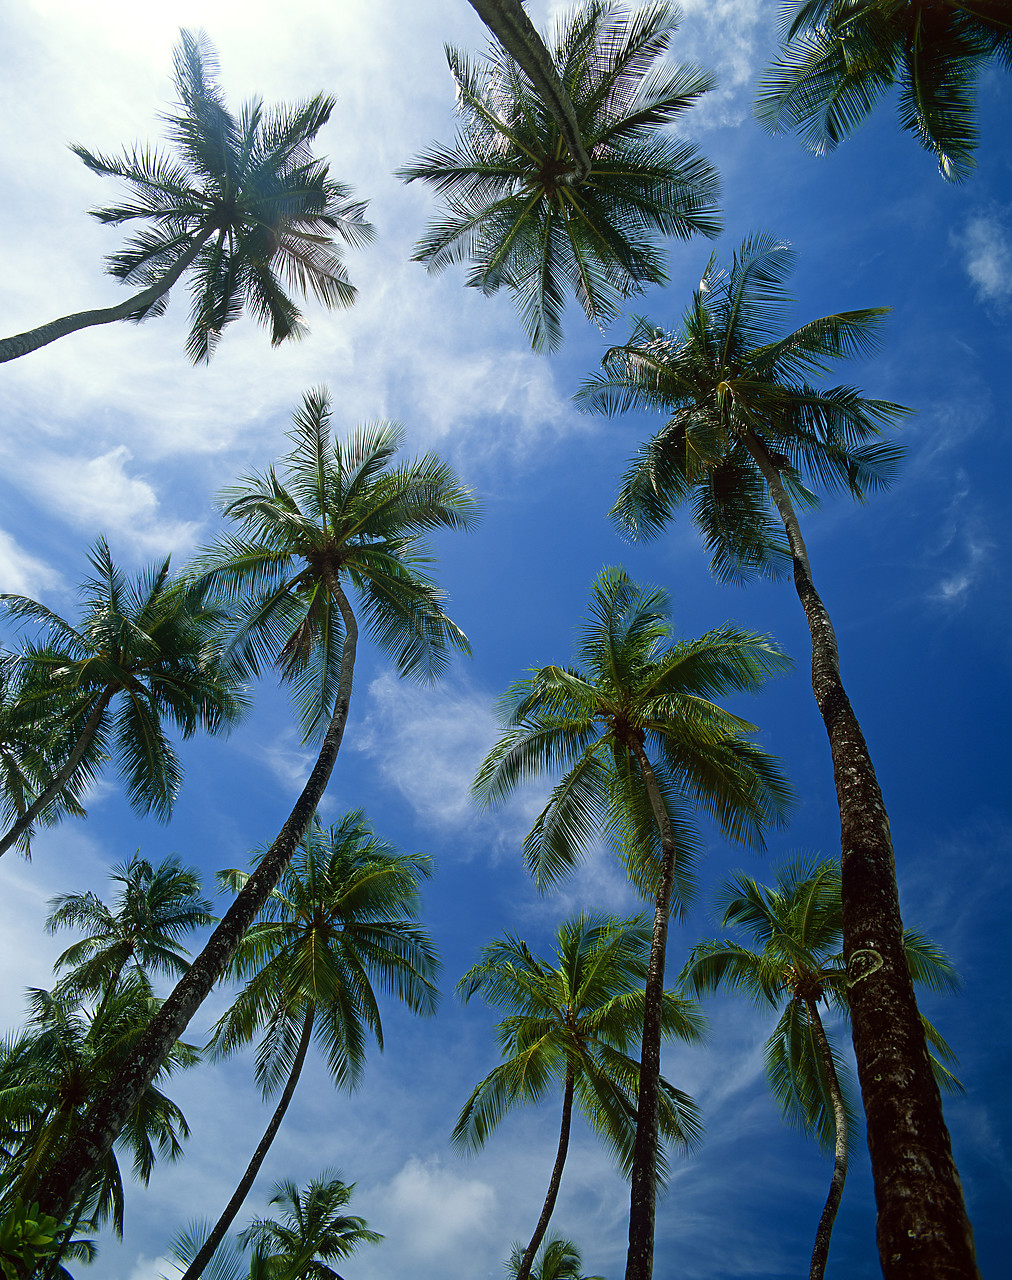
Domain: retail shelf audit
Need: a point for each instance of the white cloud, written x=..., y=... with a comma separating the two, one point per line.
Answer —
x=22, y=574
x=987, y=251
x=437, y=1209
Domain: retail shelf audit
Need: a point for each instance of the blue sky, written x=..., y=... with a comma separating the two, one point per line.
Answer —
x=111, y=431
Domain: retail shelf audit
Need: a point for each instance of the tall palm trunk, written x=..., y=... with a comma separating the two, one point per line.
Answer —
x=840, y=1149
x=21, y=344
x=640, y=1259
x=196, y=1267
x=105, y=1119
x=923, y=1229
x=556, y=1179
x=63, y=776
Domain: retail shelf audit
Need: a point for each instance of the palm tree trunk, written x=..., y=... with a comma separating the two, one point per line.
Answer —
x=61, y=779
x=510, y=25
x=196, y=1267
x=840, y=1153
x=106, y=1117
x=640, y=1259
x=553, y=1186
x=923, y=1229
x=21, y=344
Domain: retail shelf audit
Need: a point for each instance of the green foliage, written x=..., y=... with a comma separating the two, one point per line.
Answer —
x=558, y=1259
x=516, y=207
x=312, y=1230
x=27, y=1239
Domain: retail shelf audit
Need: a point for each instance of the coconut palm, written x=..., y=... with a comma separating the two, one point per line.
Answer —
x=340, y=514
x=242, y=206
x=142, y=653
x=746, y=436
x=559, y=1260
x=312, y=1230
x=841, y=56
x=515, y=206
x=154, y=908
x=342, y=917
x=640, y=743
x=570, y=1022
x=797, y=927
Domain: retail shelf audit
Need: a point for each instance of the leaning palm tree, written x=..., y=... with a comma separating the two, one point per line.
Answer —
x=142, y=653
x=640, y=742
x=240, y=205
x=841, y=56
x=559, y=1260
x=340, y=515
x=516, y=207
x=571, y=1021
x=342, y=917
x=155, y=907
x=797, y=926
x=746, y=435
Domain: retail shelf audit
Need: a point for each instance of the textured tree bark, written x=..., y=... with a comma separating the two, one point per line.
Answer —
x=824, y=1231
x=510, y=25
x=640, y=1258
x=22, y=344
x=554, y=1183
x=98, y=1131
x=65, y=774
x=196, y=1267
x=923, y=1229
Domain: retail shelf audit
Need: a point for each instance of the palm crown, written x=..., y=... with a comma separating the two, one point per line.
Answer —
x=516, y=208
x=312, y=1229
x=841, y=56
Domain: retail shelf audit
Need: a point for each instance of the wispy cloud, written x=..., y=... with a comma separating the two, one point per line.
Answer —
x=986, y=244
x=22, y=574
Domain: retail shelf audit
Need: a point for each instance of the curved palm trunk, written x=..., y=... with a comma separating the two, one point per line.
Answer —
x=106, y=1117
x=69, y=768
x=556, y=1179
x=196, y=1267
x=510, y=25
x=840, y=1152
x=923, y=1228
x=21, y=344
x=640, y=1259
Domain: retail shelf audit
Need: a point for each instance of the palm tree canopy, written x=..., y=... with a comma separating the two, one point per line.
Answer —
x=796, y=930
x=726, y=377
x=342, y=919
x=841, y=56
x=154, y=644
x=558, y=1259
x=632, y=687
x=311, y=1232
x=516, y=209
x=155, y=907
x=248, y=191
x=577, y=1015
x=339, y=512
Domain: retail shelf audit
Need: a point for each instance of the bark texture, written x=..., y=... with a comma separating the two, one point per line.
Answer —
x=554, y=1183
x=196, y=1267
x=69, y=1175
x=923, y=1229
x=824, y=1232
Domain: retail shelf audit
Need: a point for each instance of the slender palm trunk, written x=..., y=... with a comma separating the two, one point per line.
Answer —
x=109, y=1112
x=510, y=25
x=840, y=1149
x=196, y=1267
x=556, y=1179
x=66, y=772
x=640, y=1259
x=923, y=1229
x=21, y=344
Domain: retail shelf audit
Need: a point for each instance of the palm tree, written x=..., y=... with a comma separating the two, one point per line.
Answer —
x=342, y=917
x=341, y=514
x=241, y=204
x=149, y=646
x=559, y=1260
x=154, y=908
x=312, y=1231
x=571, y=1022
x=841, y=56
x=797, y=928
x=515, y=207
x=640, y=741
x=746, y=435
